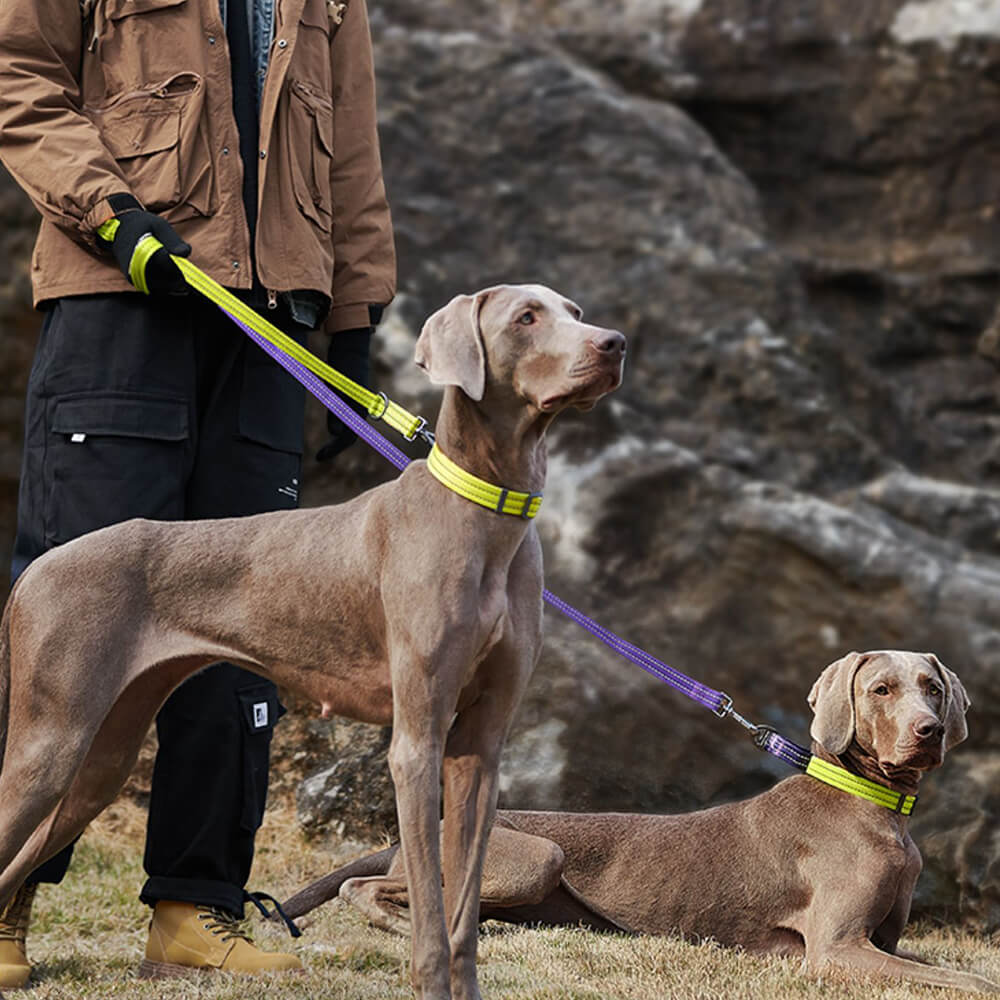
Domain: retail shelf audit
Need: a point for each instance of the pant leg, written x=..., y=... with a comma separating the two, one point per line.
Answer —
x=210, y=778
x=107, y=421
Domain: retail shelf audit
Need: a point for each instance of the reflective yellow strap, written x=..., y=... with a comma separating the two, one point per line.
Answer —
x=378, y=406
x=854, y=784
x=107, y=230
x=144, y=249
x=496, y=498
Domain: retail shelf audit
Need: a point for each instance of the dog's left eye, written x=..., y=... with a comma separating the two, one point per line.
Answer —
x=882, y=689
x=526, y=318
x=934, y=690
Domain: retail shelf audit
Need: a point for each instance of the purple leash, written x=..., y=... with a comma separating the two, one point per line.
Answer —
x=716, y=701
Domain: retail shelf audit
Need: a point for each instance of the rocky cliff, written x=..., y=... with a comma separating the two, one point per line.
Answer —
x=789, y=208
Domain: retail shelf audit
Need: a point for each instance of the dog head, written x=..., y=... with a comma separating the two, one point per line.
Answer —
x=903, y=709
x=525, y=337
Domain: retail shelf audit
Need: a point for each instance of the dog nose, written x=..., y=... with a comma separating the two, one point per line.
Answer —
x=927, y=728
x=611, y=343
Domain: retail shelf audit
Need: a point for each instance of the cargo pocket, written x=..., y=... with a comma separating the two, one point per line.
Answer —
x=260, y=710
x=157, y=137
x=272, y=402
x=309, y=143
x=110, y=457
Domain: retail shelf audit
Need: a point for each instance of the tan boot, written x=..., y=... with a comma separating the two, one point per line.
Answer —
x=184, y=937
x=14, y=966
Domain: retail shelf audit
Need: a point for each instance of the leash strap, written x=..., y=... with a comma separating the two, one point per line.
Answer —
x=766, y=738
x=377, y=404
x=312, y=373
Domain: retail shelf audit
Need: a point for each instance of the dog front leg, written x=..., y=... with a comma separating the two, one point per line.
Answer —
x=471, y=766
x=415, y=764
x=865, y=956
x=471, y=783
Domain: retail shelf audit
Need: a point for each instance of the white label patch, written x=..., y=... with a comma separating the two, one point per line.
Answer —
x=260, y=715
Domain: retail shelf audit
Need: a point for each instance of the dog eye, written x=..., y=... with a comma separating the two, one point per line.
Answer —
x=934, y=690
x=526, y=318
x=882, y=689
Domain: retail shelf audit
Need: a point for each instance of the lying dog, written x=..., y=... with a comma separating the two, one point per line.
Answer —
x=802, y=869
x=410, y=604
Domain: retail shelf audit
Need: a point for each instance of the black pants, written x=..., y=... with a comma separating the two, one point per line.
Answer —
x=162, y=408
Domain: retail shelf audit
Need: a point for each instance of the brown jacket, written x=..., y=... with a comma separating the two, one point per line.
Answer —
x=135, y=96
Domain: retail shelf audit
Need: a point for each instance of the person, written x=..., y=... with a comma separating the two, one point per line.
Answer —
x=242, y=134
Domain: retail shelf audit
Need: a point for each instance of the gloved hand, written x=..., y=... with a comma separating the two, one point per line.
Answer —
x=350, y=353
x=159, y=275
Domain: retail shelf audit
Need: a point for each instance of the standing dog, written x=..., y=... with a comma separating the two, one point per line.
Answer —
x=801, y=869
x=409, y=604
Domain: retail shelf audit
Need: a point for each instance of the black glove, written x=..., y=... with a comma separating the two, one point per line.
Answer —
x=160, y=275
x=350, y=353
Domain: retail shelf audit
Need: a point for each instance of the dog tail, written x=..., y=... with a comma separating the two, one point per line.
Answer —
x=327, y=887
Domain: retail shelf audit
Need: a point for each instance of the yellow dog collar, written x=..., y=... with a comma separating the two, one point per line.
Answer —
x=466, y=485
x=854, y=784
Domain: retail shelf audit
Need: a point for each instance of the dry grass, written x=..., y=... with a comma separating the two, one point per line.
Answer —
x=88, y=936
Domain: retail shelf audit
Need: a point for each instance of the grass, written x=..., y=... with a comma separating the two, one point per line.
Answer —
x=88, y=935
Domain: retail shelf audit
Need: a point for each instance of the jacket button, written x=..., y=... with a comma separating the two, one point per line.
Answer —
x=225, y=150
x=236, y=265
x=282, y=43
x=263, y=153
x=211, y=39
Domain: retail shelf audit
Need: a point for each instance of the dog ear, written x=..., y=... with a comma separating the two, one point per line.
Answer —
x=956, y=704
x=832, y=701
x=450, y=346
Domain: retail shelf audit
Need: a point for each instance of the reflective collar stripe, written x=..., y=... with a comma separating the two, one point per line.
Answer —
x=854, y=784
x=466, y=485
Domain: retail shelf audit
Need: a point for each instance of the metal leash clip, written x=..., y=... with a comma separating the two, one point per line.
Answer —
x=726, y=711
x=760, y=737
x=424, y=431
x=760, y=734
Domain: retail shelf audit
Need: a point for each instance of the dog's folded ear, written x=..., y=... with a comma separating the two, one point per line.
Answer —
x=832, y=701
x=956, y=704
x=450, y=345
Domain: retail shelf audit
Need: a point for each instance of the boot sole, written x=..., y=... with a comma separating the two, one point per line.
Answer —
x=167, y=970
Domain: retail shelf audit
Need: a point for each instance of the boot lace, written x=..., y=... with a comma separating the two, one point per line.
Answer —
x=14, y=918
x=223, y=924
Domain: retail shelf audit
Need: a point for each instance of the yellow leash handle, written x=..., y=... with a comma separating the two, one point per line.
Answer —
x=378, y=405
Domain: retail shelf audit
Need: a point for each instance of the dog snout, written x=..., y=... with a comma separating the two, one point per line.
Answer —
x=610, y=344
x=927, y=728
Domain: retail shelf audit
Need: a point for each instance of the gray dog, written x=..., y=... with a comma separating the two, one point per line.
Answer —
x=409, y=605
x=803, y=869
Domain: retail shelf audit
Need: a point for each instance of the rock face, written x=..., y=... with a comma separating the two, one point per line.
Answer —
x=788, y=207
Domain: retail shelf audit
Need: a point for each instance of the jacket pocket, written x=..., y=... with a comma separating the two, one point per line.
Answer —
x=260, y=710
x=145, y=146
x=157, y=136
x=117, y=9
x=309, y=148
x=112, y=456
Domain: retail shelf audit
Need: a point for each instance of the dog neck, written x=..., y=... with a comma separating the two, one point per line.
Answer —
x=857, y=760
x=500, y=446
